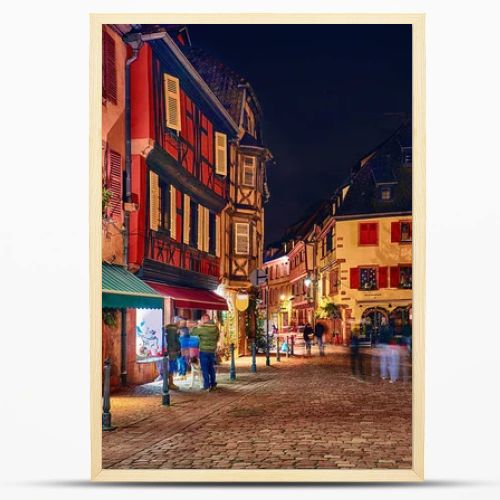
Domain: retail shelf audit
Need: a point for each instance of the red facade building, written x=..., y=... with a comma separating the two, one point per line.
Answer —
x=179, y=145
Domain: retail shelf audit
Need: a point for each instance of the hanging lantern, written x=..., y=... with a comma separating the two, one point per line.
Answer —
x=242, y=301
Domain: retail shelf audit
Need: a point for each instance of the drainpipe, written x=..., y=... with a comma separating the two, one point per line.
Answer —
x=135, y=41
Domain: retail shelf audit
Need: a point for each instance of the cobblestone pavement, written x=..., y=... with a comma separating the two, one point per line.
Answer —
x=300, y=413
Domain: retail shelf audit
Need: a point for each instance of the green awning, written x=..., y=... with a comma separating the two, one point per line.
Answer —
x=122, y=289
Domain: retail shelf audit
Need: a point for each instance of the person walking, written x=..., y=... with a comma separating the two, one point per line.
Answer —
x=384, y=338
x=308, y=332
x=173, y=350
x=184, y=345
x=319, y=330
x=208, y=334
x=356, y=356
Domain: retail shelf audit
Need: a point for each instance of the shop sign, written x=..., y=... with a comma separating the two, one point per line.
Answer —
x=149, y=339
x=242, y=301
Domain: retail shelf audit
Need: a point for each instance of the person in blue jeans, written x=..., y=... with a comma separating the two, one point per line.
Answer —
x=209, y=337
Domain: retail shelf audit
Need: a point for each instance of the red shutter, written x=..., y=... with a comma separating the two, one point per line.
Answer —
x=109, y=85
x=395, y=232
x=373, y=233
x=382, y=277
x=354, y=277
x=395, y=277
x=363, y=233
x=411, y=230
x=115, y=183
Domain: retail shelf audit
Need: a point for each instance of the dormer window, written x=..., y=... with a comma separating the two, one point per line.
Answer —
x=406, y=156
x=385, y=193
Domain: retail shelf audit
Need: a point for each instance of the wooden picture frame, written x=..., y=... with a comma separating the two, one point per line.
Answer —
x=261, y=475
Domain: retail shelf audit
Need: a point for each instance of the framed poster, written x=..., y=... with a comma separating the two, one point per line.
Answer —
x=288, y=146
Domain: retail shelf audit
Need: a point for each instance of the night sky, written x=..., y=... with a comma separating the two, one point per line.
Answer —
x=329, y=94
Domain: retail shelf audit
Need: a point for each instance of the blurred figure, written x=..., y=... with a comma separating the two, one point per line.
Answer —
x=308, y=332
x=184, y=345
x=394, y=357
x=319, y=330
x=356, y=356
x=385, y=336
x=174, y=351
x=405, y=353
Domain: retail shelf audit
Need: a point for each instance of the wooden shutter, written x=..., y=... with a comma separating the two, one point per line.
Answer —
x=382, y=277
x=115, y=183
x=220, y=153
x=242, y=238
x=354, y=278
x=187, y=219
x=173, y=212
x=172, y=102
x=217, y=235
x=154, y=201
x=109, y=85
x=395, y=232
x=363, y=233
x=203, y=228
x=395, y=277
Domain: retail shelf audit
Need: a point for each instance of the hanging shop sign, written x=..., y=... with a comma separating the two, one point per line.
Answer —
x=242, y=301
x=149, y=337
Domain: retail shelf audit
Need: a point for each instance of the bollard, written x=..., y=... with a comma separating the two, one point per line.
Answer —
x=165, y=393
x=268, y=358
x=232, y=369
x=293, y=346
x=254, y=356
x=287, y=345
x=278, y=348
x=106, y=399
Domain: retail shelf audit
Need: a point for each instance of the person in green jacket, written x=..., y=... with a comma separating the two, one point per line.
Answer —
x=209, y=337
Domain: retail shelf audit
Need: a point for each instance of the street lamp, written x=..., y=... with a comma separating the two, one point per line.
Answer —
x=308, y=282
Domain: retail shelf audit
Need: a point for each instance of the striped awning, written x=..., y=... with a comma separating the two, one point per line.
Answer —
x=123, y=290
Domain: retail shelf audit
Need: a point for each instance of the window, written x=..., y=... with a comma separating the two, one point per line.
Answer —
x=193, y=226
x=401, y=232
x=212, y=236
x=333, y=282
x=109, y=85
x=248, y=171
x=405, y=276
x=405, y=231
x=368, y=233
x=385, y=193
x=220, y=153
x=172, y=102
x=329, y=241
x=368, y=278
x=242, y=238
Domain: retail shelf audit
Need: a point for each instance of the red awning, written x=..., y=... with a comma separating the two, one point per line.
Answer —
x=191, y=298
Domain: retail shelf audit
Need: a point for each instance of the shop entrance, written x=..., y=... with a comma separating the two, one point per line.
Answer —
x=400, y=321
x=370, y=324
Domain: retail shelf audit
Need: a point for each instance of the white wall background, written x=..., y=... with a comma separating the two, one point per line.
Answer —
x=44, y=445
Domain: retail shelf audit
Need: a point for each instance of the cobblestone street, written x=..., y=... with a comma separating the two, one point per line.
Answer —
x=298, y=413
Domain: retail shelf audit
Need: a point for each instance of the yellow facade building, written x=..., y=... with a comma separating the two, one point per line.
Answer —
x=364, y=249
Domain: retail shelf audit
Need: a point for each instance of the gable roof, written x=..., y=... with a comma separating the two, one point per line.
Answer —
x=384, y=167
x=226, y=83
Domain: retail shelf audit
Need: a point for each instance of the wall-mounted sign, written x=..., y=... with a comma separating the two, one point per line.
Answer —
x=149, y=337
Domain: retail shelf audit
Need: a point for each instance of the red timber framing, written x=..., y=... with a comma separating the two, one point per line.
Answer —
x=191, y=150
